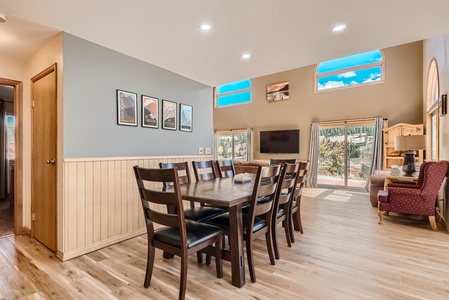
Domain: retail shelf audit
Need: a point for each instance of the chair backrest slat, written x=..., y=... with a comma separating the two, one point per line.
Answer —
x=174, y=217
x=288, y=181
x=225, y=168
x=266, y=182
x=207, y=170
x=183, y=171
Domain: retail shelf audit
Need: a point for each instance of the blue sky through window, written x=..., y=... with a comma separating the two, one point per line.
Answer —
x=234, y=93
x=350, y=73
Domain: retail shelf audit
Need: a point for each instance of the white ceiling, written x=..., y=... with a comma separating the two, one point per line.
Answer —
x=280, y=34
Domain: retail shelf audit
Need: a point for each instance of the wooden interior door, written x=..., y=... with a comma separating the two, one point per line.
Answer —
x=43, y=194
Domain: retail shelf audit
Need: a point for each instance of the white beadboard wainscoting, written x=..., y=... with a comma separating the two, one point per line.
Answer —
x=101, y=204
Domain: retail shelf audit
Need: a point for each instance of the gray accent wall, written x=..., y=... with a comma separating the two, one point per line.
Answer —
x=91, y=76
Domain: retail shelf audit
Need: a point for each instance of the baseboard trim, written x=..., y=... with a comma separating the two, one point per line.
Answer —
x=26, y=231
x=64, y=256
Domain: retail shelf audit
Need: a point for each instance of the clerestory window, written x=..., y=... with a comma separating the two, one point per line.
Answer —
x=233, y=93
x=359, y=69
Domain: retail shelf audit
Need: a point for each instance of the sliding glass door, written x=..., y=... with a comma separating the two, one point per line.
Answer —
x=345, y=152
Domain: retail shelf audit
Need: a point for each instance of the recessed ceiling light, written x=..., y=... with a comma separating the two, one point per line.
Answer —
x=339, y=28
x=205, y=27
x=2, y=18
x=246, y=56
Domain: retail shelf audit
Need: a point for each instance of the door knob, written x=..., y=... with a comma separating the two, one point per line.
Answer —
x=51, y=161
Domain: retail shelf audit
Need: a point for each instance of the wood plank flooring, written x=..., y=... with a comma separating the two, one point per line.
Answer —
x=343, y=254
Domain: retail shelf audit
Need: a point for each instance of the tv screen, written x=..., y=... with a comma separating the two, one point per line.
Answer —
x=279, y=141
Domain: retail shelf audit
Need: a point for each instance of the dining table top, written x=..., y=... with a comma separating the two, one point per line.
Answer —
x=221, y=191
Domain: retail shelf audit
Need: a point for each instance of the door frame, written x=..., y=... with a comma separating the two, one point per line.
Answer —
x=18, y=161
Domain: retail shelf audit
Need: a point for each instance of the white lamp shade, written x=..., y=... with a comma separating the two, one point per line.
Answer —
x=410, y=142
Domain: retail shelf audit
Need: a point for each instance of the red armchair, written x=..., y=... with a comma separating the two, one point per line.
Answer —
x=416, y=200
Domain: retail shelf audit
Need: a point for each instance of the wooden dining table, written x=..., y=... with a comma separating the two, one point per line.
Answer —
x=225, y=192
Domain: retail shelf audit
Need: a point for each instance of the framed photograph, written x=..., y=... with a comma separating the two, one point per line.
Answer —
x=150, y=112
x=185, y=117
x=126, y=108
x=277, y=92
x=169, y=115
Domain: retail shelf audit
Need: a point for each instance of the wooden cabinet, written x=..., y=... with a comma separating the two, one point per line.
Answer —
x=391, y=156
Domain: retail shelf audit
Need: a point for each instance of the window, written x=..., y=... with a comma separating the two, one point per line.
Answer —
x=233, y=93
x=234, y=144
x=351, y=70
x=433, y=94
x=10, y=145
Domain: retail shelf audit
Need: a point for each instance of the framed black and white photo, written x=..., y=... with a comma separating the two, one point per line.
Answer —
x=169, y=115
x=185, y=117
x=126, y=108
x=150, y=112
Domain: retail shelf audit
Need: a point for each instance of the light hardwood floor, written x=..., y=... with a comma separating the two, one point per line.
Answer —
x=343, y=254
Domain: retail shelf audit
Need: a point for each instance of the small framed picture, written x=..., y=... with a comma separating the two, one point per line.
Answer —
x=185, y=117
x=169, y=115
x=126, y=108
x=278, y=91
x=150, y=112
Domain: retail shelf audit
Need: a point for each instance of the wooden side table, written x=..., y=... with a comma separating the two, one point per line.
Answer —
x=390, y=178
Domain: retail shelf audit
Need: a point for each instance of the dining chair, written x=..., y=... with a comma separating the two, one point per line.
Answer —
x=278, y=161
x=282, y=201
x=204, y=170
x=258, y=219
x=177, y=235
x=196, y=213
x=225, y=168
x=199, y=213
x=294, y=219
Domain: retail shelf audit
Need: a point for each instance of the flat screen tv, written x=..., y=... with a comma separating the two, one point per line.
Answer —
x=279, y=141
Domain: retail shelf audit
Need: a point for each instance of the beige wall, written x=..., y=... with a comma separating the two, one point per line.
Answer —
x=399, y=98
x=438, y=49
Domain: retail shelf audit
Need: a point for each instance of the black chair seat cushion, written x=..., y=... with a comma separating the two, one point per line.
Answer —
x=203, y=213
x=197, y=233
x=223, y=221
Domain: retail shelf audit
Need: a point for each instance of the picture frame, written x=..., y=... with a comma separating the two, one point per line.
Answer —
x=185, y=117
x=126, y=108
x=150, y=112
x=278, y=91
x=169, y=115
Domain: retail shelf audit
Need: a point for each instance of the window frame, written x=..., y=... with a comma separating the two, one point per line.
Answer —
x=249, y=143
x=380, y=64
x=216, y=95
x=432, y=112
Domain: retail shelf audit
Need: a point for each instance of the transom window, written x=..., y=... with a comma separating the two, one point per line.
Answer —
x=363, y=68
x=233, y=93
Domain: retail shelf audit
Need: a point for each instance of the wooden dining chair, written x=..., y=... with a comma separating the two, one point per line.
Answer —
x=282, y=200
x=278, y=161
x=225, y=168
x=177, y=235
x=294, y=220
x=258, y=219
x=196, y=213
x=204, y=170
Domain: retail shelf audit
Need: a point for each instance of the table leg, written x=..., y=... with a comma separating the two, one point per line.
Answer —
x=236, y=244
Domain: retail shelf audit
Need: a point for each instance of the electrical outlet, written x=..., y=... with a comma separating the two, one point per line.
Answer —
x=207, y=151
x=200, y=150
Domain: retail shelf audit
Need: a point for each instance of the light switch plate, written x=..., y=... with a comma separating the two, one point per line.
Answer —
x=207, y=150
x=200, y=150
